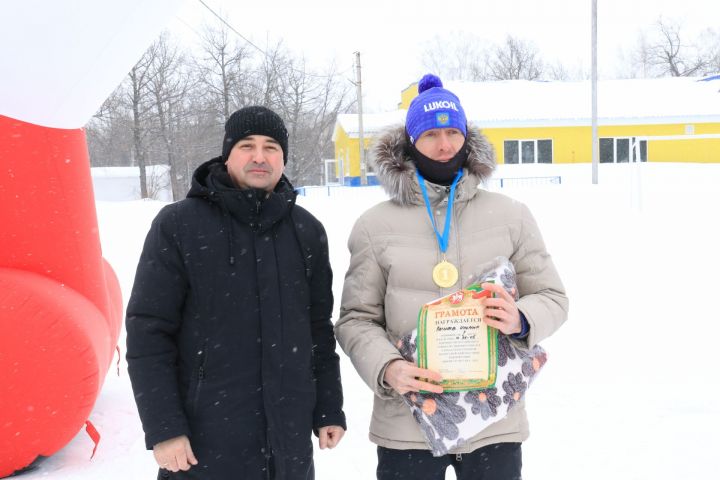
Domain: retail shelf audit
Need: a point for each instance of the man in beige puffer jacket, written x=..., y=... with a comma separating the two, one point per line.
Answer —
x=394, y=248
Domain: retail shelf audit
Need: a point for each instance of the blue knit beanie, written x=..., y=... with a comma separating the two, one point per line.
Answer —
x=434, y=107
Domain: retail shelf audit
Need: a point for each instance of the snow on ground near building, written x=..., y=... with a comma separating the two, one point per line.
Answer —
x=630, y=389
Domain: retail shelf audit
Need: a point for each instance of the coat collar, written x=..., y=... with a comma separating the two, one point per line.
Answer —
x=253, y=207
x=396, y=171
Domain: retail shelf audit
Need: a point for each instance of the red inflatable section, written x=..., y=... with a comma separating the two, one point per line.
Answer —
x=60, y=303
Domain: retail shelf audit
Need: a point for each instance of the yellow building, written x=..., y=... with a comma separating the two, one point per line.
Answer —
x=347, y=143
x=656, y=120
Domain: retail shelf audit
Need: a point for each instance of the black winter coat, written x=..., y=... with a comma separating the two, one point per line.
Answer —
x=229, y=338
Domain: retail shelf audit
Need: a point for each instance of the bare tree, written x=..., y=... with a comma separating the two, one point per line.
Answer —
x=310, y=104
x=224, y=70
x=456, y=56
x=558, y=71
x=664, y=51
x=169, y=84
x=172, y=107
x=141, y=107
x=157, y=181
x=108, y=134
x=461, y=56
x=515, y=60
x=710, y=41
x=274, y=66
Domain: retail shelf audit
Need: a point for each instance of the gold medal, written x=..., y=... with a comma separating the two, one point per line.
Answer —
x=445, y=274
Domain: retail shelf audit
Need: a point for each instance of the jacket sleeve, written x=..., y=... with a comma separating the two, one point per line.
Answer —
x=542, y=295
x=326, y=362
x=361, y=327
x=154, y=315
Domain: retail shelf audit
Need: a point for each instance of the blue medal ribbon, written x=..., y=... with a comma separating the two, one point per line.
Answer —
x=445, y=237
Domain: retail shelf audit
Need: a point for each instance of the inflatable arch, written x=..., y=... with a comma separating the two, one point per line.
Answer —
x=60, y=302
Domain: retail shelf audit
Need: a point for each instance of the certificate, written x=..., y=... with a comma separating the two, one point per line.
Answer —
x=452, y=339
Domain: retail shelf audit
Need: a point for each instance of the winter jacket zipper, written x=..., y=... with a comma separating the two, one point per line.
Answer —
x=200, y=379
x=268, y=460
x=201, y=376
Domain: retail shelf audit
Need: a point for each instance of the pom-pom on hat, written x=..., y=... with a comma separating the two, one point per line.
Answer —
x=434, y=107
x=254, y=120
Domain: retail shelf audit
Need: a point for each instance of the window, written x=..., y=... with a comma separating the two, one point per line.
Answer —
x=528, y=151
x=544, y=149
x=643, y=151
x=607, y=150
x=621, y=150
x=511, y=152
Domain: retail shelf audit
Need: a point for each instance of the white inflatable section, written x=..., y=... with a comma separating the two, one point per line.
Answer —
x=61, y=59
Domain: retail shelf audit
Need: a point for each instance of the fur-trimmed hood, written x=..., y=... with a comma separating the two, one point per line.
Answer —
x=395, y=168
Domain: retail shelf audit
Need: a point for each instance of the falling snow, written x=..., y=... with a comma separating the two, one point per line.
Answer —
x=628, y=390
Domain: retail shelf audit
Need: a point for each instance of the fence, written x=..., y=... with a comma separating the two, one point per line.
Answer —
x=494, y=183
x=335, y=190
x=503, y=182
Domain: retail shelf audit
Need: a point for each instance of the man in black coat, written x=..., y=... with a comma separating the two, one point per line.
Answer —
x=230, y=346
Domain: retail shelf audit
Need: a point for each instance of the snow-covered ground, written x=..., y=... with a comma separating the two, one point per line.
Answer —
x=631, y=387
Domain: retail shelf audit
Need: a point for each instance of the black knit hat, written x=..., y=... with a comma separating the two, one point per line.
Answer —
x=255, y=120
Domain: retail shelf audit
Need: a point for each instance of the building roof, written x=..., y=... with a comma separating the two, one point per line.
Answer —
x=523, y=103
x=372, y=122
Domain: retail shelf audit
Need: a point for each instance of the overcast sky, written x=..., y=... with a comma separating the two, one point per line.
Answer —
x=392, y=34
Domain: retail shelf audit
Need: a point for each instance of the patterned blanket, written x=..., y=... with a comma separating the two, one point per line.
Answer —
x=449, y=420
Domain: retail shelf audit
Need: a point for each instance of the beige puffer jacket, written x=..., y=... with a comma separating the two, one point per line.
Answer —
x=393, y=250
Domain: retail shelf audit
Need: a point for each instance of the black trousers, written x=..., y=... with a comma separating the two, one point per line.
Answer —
x=501, y=461
x=246, y=459
x=263, y=470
